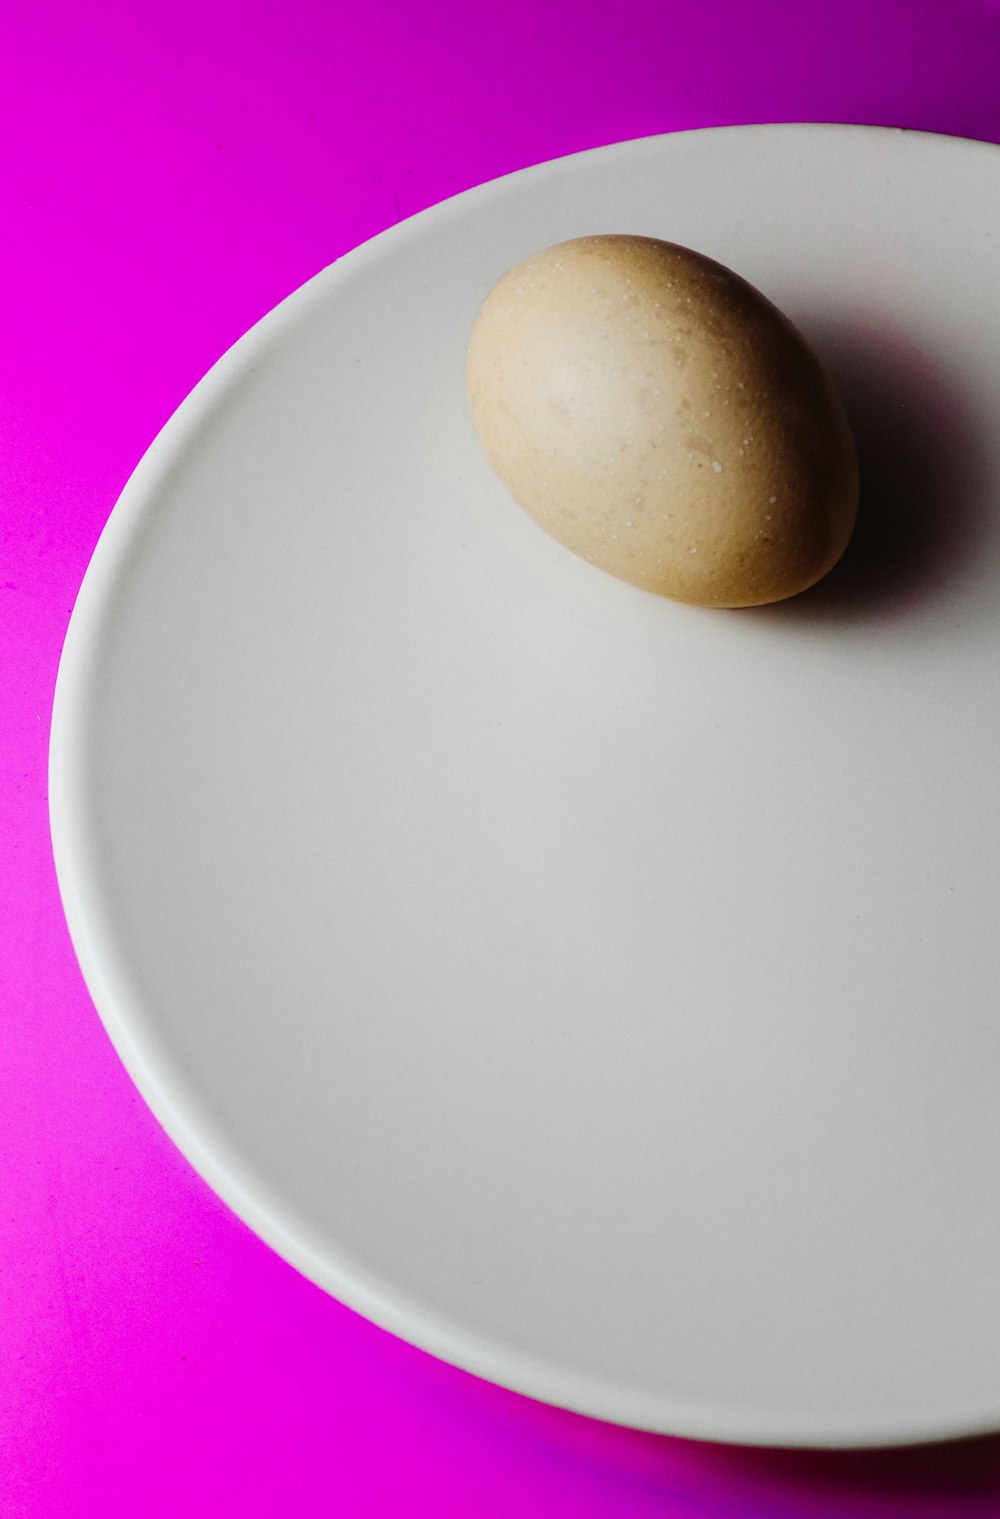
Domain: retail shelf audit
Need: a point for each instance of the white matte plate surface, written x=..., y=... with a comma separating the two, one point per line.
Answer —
x=599, y=992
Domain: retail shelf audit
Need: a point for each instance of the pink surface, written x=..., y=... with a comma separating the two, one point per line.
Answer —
x=169, y=173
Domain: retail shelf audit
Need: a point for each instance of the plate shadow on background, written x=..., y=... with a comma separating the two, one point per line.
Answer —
x=925, y=491
x=688, y=1476
x=943, y=1478
x=944, y=1474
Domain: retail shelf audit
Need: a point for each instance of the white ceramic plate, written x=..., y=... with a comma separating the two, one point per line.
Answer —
x=601, y=993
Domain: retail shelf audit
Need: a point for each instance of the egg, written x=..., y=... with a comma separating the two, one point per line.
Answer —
x=657, y=415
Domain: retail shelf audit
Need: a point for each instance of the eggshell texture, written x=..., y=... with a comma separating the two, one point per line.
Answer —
x=658, y=416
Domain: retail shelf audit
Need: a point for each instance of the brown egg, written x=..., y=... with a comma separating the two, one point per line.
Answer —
x=657, y=415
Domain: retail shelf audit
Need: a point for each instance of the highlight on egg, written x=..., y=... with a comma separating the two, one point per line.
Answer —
x=657, y=415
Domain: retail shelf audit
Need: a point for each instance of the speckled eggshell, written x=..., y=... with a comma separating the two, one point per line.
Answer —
x=658, y=416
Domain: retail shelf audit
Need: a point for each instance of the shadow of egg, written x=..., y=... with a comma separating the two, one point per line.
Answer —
x=925, y=508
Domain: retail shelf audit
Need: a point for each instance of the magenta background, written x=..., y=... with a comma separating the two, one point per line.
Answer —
x=169, y=172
